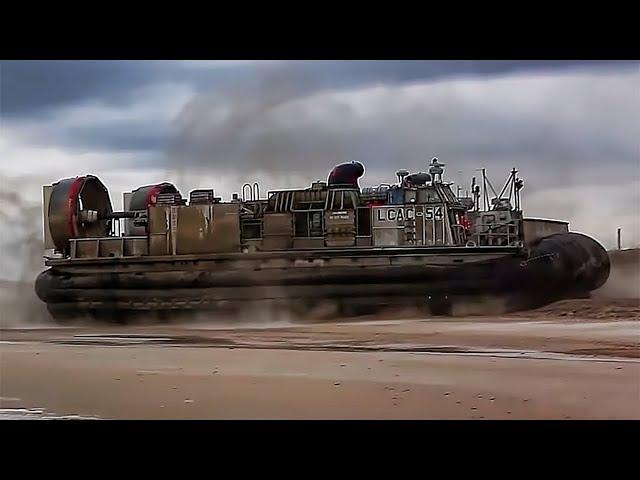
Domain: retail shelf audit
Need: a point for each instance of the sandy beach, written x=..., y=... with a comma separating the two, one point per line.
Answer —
x=486, y=368
x=576, y=359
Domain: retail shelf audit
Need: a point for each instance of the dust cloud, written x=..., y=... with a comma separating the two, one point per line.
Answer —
x=624, y=279
x=22, y=249
x=479, y=307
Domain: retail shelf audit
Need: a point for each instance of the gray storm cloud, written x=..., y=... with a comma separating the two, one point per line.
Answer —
x=560, y=126
x=29, y=87
x=234, y=108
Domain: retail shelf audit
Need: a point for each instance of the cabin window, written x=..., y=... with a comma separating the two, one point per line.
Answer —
x=341, y=200
x=308, y=224
x=347, y=201
x=428, y=195
x=331, y=201
x=315, y=228
x=251, y=229
x=301, y=225
x=364, y=222
x=337, y=201
x=432, y=195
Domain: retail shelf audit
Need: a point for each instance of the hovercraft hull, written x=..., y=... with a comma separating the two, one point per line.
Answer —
x=358, y=279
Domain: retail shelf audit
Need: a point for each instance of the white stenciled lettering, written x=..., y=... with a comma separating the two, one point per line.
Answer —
x=400, y=214
x=428, y=213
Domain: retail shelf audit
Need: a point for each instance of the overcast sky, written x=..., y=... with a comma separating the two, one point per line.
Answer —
x=571, y=128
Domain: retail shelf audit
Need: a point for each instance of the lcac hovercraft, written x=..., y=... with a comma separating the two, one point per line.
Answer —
x=412, y=243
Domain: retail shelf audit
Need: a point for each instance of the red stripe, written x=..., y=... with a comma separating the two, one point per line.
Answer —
x=151, y=193
x=72, y=206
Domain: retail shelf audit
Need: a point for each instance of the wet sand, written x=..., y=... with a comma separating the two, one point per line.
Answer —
x=491, y=368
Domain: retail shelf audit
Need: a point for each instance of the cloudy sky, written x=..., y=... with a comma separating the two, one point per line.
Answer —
x=571, y=128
